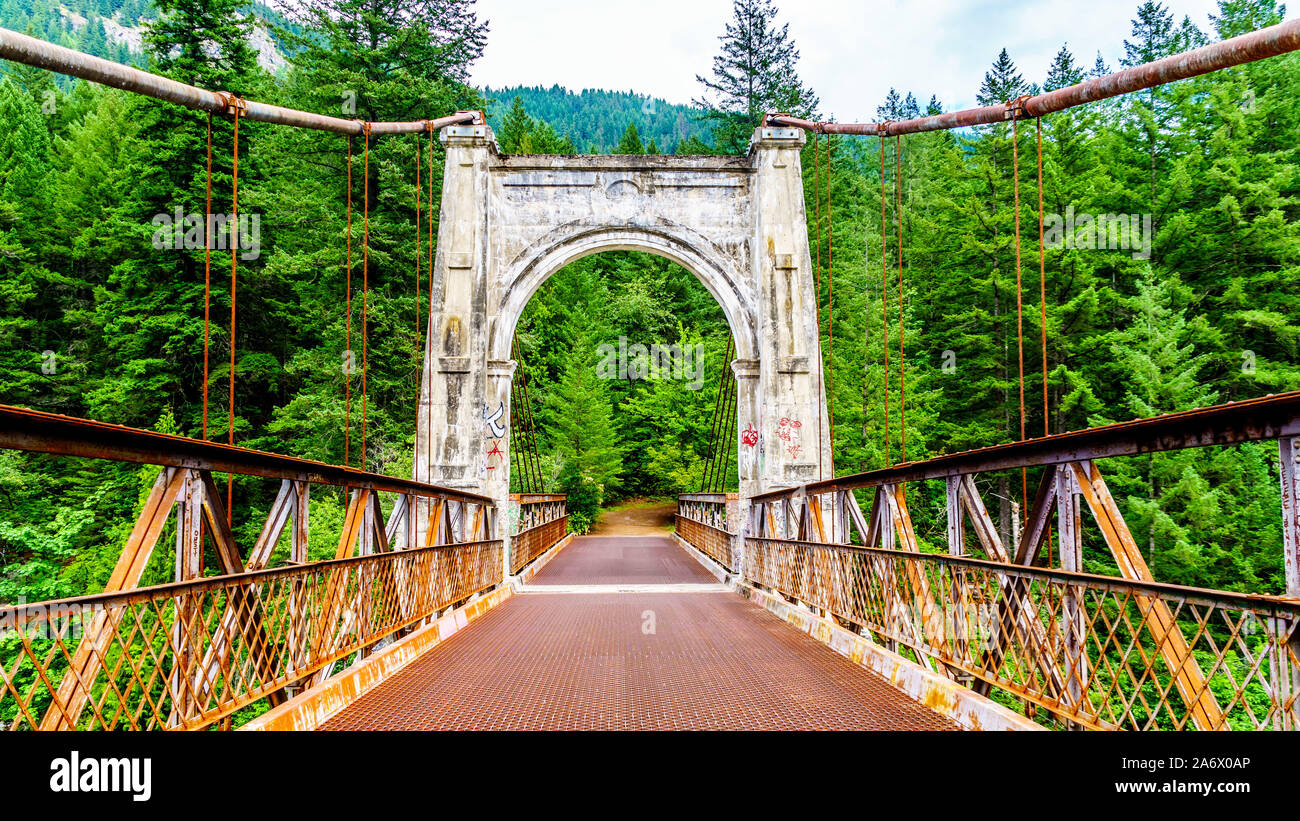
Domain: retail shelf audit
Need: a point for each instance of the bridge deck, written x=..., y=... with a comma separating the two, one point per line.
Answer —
x=623, y=560
x=632, y=661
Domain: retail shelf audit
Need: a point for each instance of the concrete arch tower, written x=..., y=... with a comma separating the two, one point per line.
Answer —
x=509, y=222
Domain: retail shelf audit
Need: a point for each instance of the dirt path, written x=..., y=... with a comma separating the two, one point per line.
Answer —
x=636, y=519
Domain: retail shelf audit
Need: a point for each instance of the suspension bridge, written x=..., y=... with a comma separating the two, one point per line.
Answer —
x=801, y=601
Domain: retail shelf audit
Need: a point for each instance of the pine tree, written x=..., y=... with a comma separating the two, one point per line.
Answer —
x=204, y=42
x=911, y=109
x=1151, y=113
x=1002, y=83
x=1064, y=72
x=24, y=293
x=1154, y=358
x=515, y=126
x=1238, y=17
x=1099, y=68
x=892, y=107
x=631, y=142
x=692, y=146
x=1159, y=369
x=754, y=74
x=1188, y=36
x=1153, y=35
x=584, y=433
x=24, y=159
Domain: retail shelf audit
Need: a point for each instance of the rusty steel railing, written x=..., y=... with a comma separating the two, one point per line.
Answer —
x=542, y=522
x=703, y=520
x=195, y=651
x=188, y=654
x=713, y=542
x=1090, y=650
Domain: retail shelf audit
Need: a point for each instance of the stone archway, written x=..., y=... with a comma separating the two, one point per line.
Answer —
x=510, y=222
x=569, y=243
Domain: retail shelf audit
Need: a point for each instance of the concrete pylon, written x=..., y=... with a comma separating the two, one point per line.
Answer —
x=509, y=222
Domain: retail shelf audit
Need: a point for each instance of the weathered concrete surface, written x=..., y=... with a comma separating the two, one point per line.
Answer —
x=509, y=223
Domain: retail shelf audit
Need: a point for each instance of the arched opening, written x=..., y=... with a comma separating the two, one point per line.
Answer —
x=717, y=271
x=623, y=353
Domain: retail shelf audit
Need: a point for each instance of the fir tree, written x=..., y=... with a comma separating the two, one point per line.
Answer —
x=892, y=107
x=631, y=142
x=1002, y=83
x=1099, y=68
x=1064, y=72
x=1153, y=35
x=584, y=433
x=1237, y=17
x=754, y=74
x=515, y=126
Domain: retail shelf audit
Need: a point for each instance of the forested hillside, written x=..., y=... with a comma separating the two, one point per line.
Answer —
x=1209, y=313
x=96, y=321
x=595, y=120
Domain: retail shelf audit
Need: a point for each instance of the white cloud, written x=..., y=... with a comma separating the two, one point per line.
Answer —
x=852, y=52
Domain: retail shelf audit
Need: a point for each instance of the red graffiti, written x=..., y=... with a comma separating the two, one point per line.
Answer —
x=496, y=451
x=788, y=431
x=787, y=427
x=749, y=437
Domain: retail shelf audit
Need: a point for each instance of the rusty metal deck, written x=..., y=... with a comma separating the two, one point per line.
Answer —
x=623, y=560
x=633, y=661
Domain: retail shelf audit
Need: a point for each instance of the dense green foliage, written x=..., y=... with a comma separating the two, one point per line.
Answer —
x=79, y=25
x=1212, y=315
x=594, y=120
x=605, y=439
x=95, y=321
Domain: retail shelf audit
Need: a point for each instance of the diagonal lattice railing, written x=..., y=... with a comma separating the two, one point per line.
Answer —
x=1074, y=649
x=190, y=653
x=1009, y=626
x=185, y=655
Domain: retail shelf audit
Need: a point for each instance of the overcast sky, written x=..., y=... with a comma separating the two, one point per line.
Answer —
x=853, y=51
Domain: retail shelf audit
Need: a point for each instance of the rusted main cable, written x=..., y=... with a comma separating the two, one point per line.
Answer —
x=21, y=48
x=1246, y=48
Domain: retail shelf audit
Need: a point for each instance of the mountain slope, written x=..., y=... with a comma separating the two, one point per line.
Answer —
x=594, y=118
